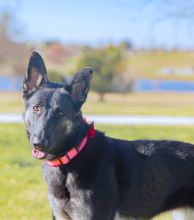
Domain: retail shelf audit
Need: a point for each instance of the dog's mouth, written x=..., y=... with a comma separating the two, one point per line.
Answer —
x=37, y=154
x=40, y=155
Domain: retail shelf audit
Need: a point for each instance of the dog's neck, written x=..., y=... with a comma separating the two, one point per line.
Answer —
x=80, y=129
x=87, y=131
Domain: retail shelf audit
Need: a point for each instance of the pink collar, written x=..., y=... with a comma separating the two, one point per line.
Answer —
x=65, y=159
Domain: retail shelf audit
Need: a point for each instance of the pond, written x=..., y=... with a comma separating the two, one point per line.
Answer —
x=146, y=85
x=10, y=83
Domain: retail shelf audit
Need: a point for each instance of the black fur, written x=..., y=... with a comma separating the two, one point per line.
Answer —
x=110, y=177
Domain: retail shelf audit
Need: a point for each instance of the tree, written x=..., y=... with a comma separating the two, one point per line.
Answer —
x=176, y=15
x=105, y=61
x=55, y=76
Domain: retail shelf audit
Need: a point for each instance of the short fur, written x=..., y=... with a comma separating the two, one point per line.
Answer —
x=110, y=178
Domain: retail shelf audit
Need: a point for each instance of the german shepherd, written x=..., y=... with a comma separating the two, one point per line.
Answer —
x=94, y=177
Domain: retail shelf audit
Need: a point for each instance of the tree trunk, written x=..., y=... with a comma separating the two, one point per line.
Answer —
x=101, y=97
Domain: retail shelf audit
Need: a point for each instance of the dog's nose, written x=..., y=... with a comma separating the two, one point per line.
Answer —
x=39, y=144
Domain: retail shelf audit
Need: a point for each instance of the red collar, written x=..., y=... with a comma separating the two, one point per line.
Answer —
x=65, y=159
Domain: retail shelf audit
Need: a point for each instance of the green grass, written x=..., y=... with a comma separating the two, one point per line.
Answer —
x=149, y=64
x=23, y=190
x=134, y=104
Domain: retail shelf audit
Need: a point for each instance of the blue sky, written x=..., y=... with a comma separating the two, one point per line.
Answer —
x=98, y=21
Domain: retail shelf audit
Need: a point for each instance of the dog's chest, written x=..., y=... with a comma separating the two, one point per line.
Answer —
x=65, y=197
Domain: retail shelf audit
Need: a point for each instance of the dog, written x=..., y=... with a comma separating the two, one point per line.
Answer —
x=94, y=177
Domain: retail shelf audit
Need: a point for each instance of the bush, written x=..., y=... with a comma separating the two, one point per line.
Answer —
x=55, y=76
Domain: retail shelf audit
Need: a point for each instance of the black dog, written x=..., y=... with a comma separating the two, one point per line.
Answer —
x=94, y=177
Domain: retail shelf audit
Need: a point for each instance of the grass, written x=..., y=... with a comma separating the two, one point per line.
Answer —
x=142, y=104
x=11, y=102
x=23, y=190
x=22, y=187
x=135, y=104
x=149, y=64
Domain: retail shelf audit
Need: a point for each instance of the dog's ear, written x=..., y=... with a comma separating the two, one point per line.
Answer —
x=79, y=86
x=36, y=75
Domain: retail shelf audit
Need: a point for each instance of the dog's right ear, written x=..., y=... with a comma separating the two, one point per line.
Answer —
x=36, y=75
x=79, y=86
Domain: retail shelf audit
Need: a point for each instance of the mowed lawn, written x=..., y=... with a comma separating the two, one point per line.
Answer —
x=23, y=192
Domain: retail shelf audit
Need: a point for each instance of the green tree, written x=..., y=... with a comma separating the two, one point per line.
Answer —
x=106, y=62
x=55, y=76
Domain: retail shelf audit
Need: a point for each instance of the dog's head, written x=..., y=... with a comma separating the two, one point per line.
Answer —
x=52, y=116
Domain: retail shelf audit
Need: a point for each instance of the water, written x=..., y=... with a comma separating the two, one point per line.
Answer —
x=10, y=83
x=146, y=85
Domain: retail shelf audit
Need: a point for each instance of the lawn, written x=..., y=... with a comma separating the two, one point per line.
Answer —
x=23, y=191
x=149, y=64
x=134, y=104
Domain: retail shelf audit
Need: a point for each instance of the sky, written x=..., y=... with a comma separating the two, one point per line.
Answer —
x=99, y=22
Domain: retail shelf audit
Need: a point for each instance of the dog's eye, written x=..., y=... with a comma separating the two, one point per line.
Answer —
x=36, y=108
x=59, y=112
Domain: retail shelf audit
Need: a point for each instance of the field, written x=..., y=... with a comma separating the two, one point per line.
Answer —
x=23, y=190
x=150, y=64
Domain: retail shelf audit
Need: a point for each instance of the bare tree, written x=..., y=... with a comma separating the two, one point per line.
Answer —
x=177, y=15
x=12, y=54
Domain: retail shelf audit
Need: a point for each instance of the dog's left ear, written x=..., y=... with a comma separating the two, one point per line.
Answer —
x=79, y=86
x=36, y=75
